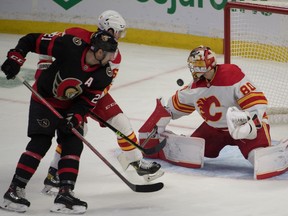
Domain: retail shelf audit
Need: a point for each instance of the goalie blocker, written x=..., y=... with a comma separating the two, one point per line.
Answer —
x=189, y=151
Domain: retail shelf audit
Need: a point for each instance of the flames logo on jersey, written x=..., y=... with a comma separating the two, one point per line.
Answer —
x=205, y=107
x=66, y=89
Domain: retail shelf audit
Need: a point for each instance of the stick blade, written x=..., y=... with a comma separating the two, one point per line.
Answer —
x=148, y=188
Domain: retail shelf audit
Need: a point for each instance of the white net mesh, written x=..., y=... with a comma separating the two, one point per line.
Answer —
x=259, y=45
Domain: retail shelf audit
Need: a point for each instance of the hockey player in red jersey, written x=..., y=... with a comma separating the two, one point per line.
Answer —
x=234, y=112
x=107, y=108
x=72, y=84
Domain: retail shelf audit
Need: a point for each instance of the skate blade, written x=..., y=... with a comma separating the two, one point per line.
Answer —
x=13, y=207
x=50, y=191
x=152, y=177
x=61, y=208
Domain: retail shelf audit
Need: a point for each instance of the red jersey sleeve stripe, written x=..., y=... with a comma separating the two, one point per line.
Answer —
x=253, y=104
x=252, y=99
x=181, y=107
x=251, y=95
x=51, y=45
x=38, y=41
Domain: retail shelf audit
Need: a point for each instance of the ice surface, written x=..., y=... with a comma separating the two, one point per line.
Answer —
x=224, y=187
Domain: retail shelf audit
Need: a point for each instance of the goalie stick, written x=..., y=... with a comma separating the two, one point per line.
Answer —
x=135, y=187
x=147, y=151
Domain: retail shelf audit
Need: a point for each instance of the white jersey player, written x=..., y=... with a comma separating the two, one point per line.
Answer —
x=234, y=112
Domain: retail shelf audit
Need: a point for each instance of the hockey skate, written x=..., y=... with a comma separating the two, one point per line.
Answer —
x=14, y=199
x=149, y=170
x=51, y=183
x=66, y=203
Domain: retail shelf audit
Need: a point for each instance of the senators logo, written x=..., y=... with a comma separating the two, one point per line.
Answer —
x=45, y=123
x=66, y=89
x=109, y=72
x=77, y=41
x=206, y=105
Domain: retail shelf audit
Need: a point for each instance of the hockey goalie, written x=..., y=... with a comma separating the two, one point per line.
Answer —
x=234, y=113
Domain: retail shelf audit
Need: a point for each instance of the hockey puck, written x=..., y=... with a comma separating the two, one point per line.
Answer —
x=180, y=82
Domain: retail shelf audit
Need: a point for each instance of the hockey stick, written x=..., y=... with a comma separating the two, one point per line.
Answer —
x=150, y=136
x=147, y=151
x=137, y=188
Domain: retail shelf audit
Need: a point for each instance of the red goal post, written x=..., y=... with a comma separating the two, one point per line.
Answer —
x=256, y=39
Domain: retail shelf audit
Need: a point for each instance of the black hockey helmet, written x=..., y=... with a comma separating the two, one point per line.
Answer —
x=103, y=40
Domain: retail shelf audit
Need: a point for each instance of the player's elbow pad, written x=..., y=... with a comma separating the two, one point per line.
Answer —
x=245, y=131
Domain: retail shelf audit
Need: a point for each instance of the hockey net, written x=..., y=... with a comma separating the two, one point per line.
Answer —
x=256, y=39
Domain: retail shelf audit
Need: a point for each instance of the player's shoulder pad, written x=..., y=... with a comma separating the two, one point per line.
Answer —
x=80, y=32
x=71, y=39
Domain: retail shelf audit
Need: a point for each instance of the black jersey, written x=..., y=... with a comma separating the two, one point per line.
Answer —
x=69, y=79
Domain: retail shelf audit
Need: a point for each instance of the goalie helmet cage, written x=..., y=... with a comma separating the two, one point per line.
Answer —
x=256, y=39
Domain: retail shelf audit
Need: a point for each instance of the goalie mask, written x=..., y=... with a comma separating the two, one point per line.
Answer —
x=200, y=61
x=112, y=20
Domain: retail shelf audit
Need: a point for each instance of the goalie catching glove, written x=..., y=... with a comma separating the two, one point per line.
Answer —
x=240, y=124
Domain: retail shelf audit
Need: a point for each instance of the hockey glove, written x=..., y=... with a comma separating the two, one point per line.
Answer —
x=240, y=124
x=71, y=121
x=14, y=61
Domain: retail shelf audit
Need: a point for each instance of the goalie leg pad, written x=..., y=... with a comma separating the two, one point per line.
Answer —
x=180, y=150
x=270, y=161
x=184, y=151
